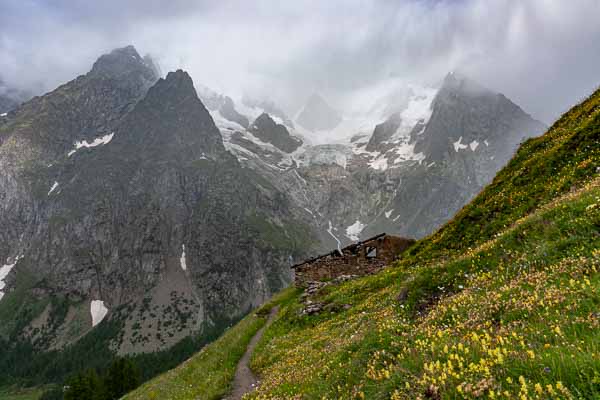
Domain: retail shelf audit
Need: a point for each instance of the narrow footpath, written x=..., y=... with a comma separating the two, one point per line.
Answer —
x=245, y=381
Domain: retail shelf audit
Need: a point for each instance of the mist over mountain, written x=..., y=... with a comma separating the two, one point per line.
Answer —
x=318, y=115
x=344, y=56
x=11, y=98
x=163, y=170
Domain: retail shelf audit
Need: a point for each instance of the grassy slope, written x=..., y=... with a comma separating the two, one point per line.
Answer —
x=208, y=374
x=523, y=304
x=20, y=394
x=503, y=301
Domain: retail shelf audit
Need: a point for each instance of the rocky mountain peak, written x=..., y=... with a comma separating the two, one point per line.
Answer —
x=454, y=77
x=172, y=93
x=86, y=108
x=172, y=117
x=468, y=116
x=458, y=83
x=264, y=120
x=267, y=130
x=176, y=83
x=123, y=61
x=318, y=115
x=384, y=131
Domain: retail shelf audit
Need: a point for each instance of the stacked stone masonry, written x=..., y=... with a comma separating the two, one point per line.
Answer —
x=362, y=258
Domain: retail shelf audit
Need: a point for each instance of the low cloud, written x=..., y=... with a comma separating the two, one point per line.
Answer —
x=543, y=54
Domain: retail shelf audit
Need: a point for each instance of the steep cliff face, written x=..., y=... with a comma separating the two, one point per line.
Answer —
x=46, y=129
x=471, y=134
x=132, y=211
x=468, y=119
x=269, y=131
x=384, y=132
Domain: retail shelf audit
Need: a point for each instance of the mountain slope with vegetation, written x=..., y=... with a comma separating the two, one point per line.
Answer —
x=208, y=374
x=501, y=302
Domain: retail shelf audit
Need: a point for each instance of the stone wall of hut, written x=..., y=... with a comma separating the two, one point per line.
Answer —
x=360, y=259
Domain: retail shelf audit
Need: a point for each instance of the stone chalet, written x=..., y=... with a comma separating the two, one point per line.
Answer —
x=361, y=258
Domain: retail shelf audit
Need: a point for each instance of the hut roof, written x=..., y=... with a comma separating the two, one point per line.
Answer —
x=338, y=253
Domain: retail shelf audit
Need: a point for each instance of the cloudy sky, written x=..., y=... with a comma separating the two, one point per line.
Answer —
x=543, y=54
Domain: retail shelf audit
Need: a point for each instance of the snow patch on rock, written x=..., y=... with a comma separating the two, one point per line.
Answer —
x=406, y=152
x=418, y=110
x=229, y=128
x=53, y=188
x=330, y=231
x=300, y=178
x=98, y=311
x=99, y=141
x=389, y=213
x=354, y=230
x=458, y=145
x=380, y=163
x=4, y=271
x=401, y=152
x=360, y=149
x=182, y=260
x=310, y=212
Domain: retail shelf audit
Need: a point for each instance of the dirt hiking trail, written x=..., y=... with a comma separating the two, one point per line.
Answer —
x=245, y=381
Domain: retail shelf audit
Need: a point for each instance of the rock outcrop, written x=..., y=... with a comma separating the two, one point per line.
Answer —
x=269, y=131
x=383, y=132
